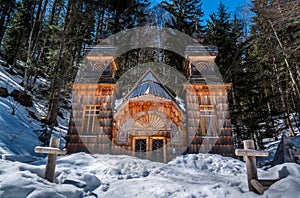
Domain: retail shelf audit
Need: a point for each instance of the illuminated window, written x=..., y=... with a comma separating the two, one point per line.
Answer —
x=208, y=120
x=90, y=120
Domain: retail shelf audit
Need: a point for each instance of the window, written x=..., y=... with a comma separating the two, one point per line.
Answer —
x=90, y=120
x=208, y=120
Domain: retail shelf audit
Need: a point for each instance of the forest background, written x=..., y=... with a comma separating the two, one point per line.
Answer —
x=258, y=46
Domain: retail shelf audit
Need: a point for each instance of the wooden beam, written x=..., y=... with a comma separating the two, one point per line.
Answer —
x=268, y=182
x=258, y=186
x=50, y=150
x=250, y=164
x=250, y=152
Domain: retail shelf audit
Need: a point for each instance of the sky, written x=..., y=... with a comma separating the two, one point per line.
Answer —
x=210, y=6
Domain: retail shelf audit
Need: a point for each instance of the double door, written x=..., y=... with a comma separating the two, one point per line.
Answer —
x=153, y=148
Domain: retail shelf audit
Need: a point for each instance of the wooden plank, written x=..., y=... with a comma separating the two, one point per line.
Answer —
x=50, y=150
x=250, y=164
x=51, y=161
x=250, y=152
x=258, y=186
x=268, y=182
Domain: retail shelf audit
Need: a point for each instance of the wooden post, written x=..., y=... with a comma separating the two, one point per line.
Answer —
x=52, y=152
x=254, y=184
x=249, y=153
x=51, y=161
x=250, y=163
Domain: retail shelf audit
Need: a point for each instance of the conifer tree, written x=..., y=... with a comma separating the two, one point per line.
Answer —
x=226, y=34
x=185, y=15
x=269, y=72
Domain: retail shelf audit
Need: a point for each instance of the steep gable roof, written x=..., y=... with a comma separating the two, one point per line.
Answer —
x=149, y=84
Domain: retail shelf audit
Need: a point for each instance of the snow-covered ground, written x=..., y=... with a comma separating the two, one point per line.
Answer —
x=19, y=132
x=84, y=175
x=17, y=136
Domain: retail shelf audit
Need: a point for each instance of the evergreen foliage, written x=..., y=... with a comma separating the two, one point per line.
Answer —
x=50, y=36
x=185, y=15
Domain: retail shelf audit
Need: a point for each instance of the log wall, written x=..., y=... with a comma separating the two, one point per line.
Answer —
x=99, y=141
x=203, y=102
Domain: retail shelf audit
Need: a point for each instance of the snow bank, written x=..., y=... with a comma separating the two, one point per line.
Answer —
x=210, y=163
x=84, y=175
x=288, y=186
x=17, y=135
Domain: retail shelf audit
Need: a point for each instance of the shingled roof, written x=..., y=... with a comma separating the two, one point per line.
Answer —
x=149, y=84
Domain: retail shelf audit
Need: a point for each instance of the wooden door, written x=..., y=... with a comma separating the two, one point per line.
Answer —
x=153, y=148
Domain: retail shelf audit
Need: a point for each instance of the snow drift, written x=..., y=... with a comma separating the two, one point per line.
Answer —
x=84, y=175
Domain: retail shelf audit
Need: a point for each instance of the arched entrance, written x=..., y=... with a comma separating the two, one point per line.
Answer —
x=150, y=129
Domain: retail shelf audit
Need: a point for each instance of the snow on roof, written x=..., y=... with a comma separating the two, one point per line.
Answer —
x=180, y=102
x=118, y=102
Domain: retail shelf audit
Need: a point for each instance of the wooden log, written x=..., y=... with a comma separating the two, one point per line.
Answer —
x=268, y=182
x=258, y=186
x=243, y=152
x=250, y=164
x=51, y=161
x=50, y=150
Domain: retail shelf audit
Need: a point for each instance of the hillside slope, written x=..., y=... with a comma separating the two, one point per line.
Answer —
x=19, y=130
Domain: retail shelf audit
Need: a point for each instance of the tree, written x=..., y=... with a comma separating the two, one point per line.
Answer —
x=277, y=25
x=185, y=15
x=269, y=73
x=6, y=9
x=226, y=34
x=67, y=40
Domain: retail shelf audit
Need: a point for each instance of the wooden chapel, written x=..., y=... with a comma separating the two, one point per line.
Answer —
x=149, y=122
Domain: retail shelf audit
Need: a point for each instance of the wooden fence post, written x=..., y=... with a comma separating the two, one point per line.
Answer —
x=250, y=154
x=51, y=161
x=52, y=152
x=250, y=163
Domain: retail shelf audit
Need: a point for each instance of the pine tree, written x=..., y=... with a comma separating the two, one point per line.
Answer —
x=16, y=35
x=269, y=88
x=67, y=40
x=226, y=34
x=134, y=15
x=185, y=15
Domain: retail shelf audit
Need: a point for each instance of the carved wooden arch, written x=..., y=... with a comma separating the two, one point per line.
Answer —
x=125, y=122
x=170, y=109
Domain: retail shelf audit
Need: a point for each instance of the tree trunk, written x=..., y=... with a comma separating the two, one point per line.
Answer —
x=57, y=81
x=283, y=100
x=286, y=61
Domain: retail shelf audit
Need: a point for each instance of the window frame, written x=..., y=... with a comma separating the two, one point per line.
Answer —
x=91, y=115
